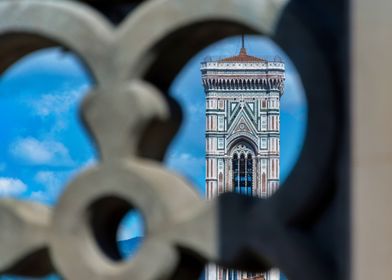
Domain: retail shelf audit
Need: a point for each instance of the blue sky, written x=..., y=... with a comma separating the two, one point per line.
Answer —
x=41, y=139
x=43, y=144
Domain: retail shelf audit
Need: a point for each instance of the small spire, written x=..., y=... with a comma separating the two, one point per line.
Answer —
x=243, y=50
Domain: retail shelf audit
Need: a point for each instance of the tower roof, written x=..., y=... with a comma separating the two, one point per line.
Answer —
x=242, y=57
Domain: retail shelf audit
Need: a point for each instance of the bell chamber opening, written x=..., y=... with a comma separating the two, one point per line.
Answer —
x=242, y=169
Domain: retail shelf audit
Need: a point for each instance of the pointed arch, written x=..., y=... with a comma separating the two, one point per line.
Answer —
x=242, y=166
x=243, y=139
x=249, y=175
x=235, y=168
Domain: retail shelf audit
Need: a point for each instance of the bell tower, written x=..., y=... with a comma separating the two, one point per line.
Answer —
x=242, y=132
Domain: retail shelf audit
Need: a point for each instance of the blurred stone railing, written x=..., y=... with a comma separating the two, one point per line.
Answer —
x=303, y=229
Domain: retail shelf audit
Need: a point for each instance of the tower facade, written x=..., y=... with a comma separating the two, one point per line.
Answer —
x=242, y=133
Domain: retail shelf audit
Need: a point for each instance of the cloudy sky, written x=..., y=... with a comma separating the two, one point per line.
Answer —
x=43, y=144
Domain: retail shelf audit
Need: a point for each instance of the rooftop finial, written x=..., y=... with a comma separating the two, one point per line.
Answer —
x=243, y=50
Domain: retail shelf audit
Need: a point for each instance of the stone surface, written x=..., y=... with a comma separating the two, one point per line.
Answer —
x=23, y=238
x=372, y=138
x=133, y=120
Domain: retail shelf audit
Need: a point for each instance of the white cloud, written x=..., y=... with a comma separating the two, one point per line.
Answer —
x=36, y=152
x=11, y=187
x=57, y=103
x=53, y=183
x=47, y=178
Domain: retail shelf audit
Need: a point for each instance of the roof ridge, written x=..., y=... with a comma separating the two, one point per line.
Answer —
x=242, y=57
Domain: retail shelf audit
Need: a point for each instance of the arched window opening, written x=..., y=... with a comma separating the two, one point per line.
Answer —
x=242, y=166
x=235, y=173
x=242, y=175
x=233, y=275
x=249, y=174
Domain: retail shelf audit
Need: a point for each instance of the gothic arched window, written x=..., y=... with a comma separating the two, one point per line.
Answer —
x=235, y=173
x=242, y=174
x=242, y=166
x=233, y=275
x=249, y=174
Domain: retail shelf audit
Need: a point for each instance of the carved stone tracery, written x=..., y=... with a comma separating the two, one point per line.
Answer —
x=126, y=112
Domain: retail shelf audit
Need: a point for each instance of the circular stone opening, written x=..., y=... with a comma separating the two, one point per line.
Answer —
x=117, y=226
x=187, y=152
